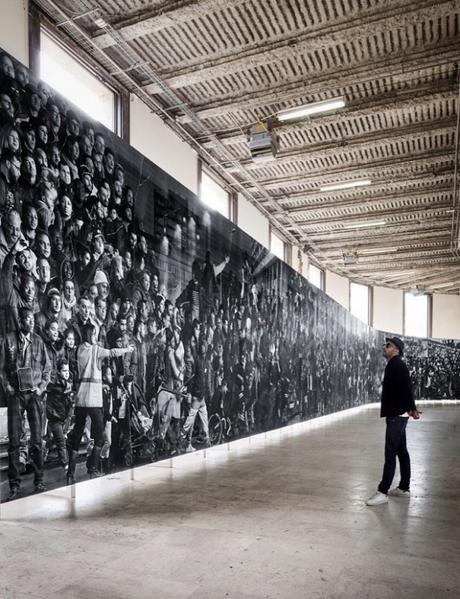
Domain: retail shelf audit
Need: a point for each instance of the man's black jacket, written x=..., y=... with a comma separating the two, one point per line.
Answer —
x=397, y=393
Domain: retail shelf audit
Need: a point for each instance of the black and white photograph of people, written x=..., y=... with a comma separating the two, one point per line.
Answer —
x=135, y=323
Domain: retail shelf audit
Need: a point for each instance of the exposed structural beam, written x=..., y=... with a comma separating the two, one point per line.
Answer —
x=372, y=169
x=162, y=18
x=340, y=238
x=396, y=215
x=438, y=274
x=305, y=200
x=402, y=249
x=399, y=101
x=354, y=144
x=419, y=197
x=397, y=68
x=393, y=262
x=306, y=44
x=390, y=229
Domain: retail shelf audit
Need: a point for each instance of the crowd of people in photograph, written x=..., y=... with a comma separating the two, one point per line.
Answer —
x=433, y=366
x=99, y=355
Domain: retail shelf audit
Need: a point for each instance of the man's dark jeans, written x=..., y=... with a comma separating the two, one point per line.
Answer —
x=395, y=445
x=17, y=405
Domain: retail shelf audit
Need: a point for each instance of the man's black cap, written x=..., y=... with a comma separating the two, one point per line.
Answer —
x=398, y=342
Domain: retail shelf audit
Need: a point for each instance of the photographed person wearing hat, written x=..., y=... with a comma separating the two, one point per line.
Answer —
x=397, y=405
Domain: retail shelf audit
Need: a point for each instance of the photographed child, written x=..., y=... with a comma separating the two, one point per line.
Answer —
x=58, y=407
x=108, y=394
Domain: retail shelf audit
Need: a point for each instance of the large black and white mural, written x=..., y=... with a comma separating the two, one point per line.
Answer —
x=137, y=324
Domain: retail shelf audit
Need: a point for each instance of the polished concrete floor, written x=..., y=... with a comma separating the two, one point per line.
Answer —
x=279, y=515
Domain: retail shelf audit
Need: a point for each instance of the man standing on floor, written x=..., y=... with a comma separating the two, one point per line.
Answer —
x=24, y=374
x=397, y=405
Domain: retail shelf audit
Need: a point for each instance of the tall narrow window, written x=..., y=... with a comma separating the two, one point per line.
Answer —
x=316, y=276
x=214, y=195
x=277, y=245
x=359, y=301
x=62, y=71
x=416, y=314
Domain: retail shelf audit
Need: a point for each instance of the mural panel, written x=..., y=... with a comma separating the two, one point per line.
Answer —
x=136, y=323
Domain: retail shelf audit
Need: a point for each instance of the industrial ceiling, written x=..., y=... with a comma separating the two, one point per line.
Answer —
x=214, y=68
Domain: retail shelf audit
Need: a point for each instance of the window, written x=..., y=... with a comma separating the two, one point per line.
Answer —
x=277, y=245
x=69, y=77
x=315, y=276
x=359, y=301
x=214, y=196
x=416, y=315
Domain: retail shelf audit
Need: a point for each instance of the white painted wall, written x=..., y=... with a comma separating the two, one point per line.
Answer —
x=337, y=287
x=156, y=141
x=253, y=222
x=14, y=28
x=388, y=310
x=446, y=316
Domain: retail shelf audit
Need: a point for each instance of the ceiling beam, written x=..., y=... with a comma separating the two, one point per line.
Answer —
x=390, y=229
x=156, y=20
x=226, y=65
x=369, y=169
x=431, y=183
x=440, y=276
x=353, y=144
x=338, y=239
x=397, y=101
x=393, y=262
x=424, y=212
x=398, y=68
x=403, y=198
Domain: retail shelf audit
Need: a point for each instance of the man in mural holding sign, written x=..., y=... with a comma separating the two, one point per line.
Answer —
x=397, y=405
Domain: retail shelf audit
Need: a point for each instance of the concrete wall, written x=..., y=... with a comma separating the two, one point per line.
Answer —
x=156, y=141
x=252, y=221
x=337, y=287
x=388, y=310
x=14, y=30
x=446, y=316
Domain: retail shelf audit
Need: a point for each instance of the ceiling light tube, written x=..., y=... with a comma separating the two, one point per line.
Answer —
x=374, y=223
x=377, y=251
x=346, y=185
x=310, y=109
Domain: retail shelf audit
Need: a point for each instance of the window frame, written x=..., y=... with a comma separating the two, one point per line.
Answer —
x=274, y=232
x=202, y=171
x=429, y=314
x=38, y=21
x=321, y=274
x=369, y=299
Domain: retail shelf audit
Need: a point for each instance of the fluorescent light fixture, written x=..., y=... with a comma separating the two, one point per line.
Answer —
x=377, y=251
x=373, y=223
x=346, y=185
x=311, y=109
x=100, y=22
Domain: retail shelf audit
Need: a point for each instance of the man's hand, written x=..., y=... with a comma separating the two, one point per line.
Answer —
x=20, y=245
x=415, y=414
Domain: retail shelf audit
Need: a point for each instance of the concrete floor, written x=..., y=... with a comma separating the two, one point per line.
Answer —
x=279, y=515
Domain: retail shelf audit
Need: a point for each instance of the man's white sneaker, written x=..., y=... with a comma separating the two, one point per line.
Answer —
x=377, y=499
x=397, y=492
